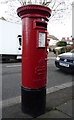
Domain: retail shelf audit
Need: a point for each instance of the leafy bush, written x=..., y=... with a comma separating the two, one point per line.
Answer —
x=63, y=50
x=61, y=43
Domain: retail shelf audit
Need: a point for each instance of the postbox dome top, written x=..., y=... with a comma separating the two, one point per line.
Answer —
x=34, y=9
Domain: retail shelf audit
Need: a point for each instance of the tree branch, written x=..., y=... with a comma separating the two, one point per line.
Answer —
x=46, y=3
x=58, y=6
x=54, y=4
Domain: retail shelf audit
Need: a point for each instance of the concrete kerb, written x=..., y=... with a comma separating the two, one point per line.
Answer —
x=55, y=96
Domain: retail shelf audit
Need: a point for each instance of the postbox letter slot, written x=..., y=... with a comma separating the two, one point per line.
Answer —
x=41, y=24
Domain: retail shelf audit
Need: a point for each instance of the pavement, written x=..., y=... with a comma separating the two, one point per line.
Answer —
x=59, y=102
x=62, y=111
x=51, y=55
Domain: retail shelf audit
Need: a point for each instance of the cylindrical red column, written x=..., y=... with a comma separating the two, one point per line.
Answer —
x=34, y=57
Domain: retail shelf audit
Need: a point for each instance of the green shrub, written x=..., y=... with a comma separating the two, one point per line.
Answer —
x=61, y=43
x=63, y=50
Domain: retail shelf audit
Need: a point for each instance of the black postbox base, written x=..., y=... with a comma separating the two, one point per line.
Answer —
x=33, y=100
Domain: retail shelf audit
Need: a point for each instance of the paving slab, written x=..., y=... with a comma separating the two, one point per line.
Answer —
x=57, y=98
x=66, y=108
x=14, y=112
x=54, y=114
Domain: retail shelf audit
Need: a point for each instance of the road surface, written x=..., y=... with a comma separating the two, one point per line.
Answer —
x=11, y=78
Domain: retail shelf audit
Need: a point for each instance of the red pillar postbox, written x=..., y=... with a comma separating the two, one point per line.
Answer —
x=34, y=57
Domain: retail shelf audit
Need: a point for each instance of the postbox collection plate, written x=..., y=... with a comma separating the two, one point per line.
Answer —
x=42, y=39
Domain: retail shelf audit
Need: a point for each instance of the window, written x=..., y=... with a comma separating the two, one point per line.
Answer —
x=20, y=39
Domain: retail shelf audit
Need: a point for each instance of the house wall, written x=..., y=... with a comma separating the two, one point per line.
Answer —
x=73, y=22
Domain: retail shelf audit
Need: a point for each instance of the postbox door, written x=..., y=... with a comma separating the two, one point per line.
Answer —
x=34, y=62
x=41, y=54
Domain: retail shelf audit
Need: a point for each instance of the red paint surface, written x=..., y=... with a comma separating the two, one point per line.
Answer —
x=34, y=58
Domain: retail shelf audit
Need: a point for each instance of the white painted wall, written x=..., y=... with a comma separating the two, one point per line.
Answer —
x=73, y=19
x=52, y=42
